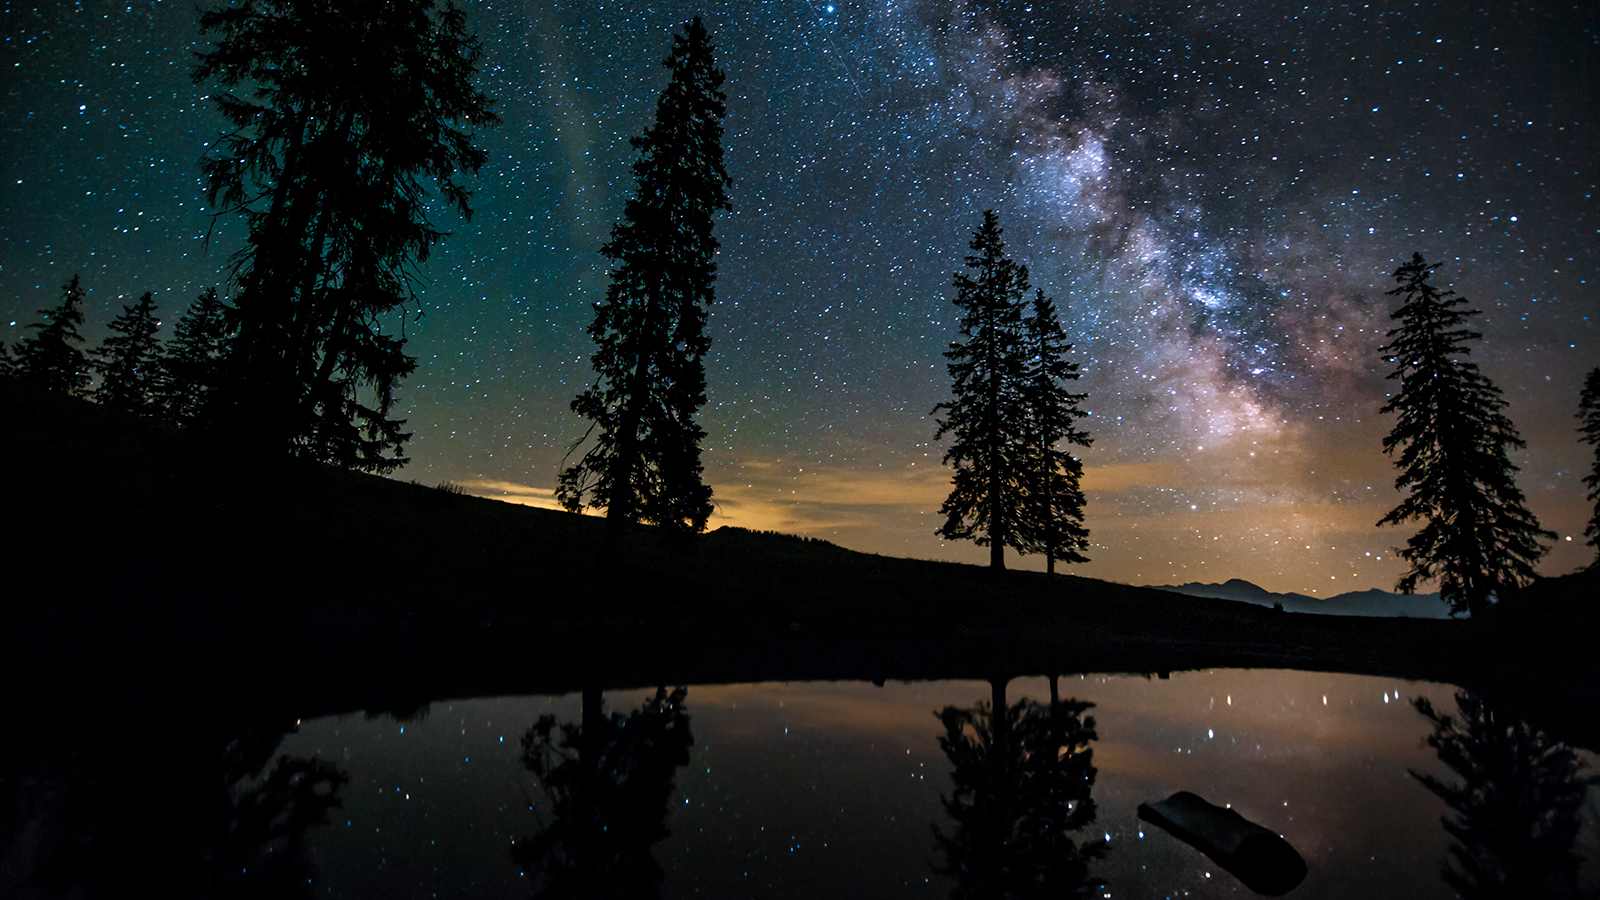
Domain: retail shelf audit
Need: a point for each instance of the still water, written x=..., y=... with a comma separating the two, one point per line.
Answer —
x=851, y=790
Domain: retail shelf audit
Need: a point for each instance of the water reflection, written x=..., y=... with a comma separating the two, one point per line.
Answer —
x=260, y=849
x=805, y=789
x=232, y=816
x=1022, y=777
x=1513, y=808
x=605, y=781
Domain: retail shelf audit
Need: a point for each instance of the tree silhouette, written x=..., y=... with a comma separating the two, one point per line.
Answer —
x=1023, y=777
x=607, y=781
x=98, y=805
x=649, y=331
x=267, y=813
x=352, y=110
x=50, y=359
x=127, y=360
x=191, y=361
x=1477, y=537
x=987, y=413
x=1052, y=523
x=1589, y=417
x=1514, y=816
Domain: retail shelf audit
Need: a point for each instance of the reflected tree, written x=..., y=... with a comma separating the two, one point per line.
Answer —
x=1023, y=776
x=606, y=782
x=1513, y=816
x=229, y=818
x=270, y=803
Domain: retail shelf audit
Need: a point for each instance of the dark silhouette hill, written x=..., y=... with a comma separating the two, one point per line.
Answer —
x=147, y=563
x=1370, y=602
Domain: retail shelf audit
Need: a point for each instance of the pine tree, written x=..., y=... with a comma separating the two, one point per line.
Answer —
x=649, y=331
x=1589, y=416
x=987, y=413
x=127, y=361
x=1477, y=538
x=1515, y=816
x=191, y=361
x=1053, y=513
x=1022, y=790
x=354, y=110
x=50, y=359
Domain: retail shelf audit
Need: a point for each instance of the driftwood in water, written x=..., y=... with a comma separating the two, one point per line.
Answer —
x=1257, y=856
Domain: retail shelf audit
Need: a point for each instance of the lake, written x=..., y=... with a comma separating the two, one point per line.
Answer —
x=845, y=789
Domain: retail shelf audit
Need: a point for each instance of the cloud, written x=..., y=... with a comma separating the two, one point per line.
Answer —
x=825, y=501
x=511, y=492
x=772, y=494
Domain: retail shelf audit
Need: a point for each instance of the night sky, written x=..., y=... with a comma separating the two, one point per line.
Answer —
x=1215, y=193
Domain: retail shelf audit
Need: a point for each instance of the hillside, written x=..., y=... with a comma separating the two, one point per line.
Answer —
x=1371, y=602
x=159, y=562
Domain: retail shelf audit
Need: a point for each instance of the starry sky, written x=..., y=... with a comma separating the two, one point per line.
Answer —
x=1215, y=193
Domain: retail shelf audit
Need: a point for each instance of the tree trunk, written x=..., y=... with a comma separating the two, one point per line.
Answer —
x=997, y=709
x=591, y=737
x=593, y=709
x=622, y=507
x=997, y=520
x=1049, y=562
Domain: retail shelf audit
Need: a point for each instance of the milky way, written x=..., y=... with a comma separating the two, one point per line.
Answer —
x=1215, y=196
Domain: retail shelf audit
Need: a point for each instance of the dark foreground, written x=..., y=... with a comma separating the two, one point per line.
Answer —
x=146, y=561
x=177, y=608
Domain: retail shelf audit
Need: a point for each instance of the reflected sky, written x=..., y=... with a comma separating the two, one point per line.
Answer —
x=804, y=790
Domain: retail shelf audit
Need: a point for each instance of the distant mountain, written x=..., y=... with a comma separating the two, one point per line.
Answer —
x=1372, y=602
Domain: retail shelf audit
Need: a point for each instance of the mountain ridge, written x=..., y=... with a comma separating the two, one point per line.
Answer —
x=1369, y=602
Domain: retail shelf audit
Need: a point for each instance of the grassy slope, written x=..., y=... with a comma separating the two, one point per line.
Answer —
x=178, y=554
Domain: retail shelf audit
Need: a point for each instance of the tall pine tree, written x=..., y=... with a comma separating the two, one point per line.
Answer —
x=350, y=117
x=987, y=414
x=649, y=331
x=50, y=358
x=1452, y=440
x=191, y=360
x=127, y=361
x=1589, y=419
x=1053, y=511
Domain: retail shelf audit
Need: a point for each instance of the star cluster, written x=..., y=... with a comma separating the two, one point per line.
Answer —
x=1215, y=193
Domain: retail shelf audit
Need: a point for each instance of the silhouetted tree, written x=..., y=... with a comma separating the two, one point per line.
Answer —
x=268, y=812
x=607, y=781
x=1477, y=537
x=5, y=360
x=352, y=109
x=225, y=801
x=191, y=361
x=1589, y=417
x=649, y=331
x=987, y=412
x=1515, y=815
x=1023, y=777
x=127, y=360
x=1052, y=521
x=50, y=359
